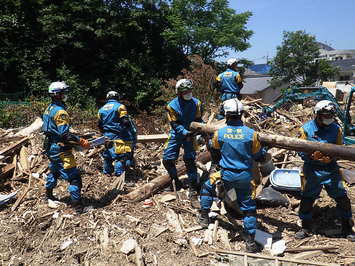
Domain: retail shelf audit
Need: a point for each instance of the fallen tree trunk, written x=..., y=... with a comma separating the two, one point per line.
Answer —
x=294, y=144
x=159, y=183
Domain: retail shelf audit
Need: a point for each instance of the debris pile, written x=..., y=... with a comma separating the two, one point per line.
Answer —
x=163, y=230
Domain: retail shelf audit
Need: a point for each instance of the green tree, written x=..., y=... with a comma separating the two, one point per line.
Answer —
x=207, y=27
x=297, y=62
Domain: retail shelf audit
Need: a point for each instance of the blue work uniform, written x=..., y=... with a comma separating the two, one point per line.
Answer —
x=120, y=149
x=58, y=148
x=230, y=84
x=181, y=113
x=317, y=174
x=239, y=146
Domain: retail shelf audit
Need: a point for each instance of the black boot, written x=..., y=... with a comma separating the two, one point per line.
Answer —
x=305, y=230
x=203, y=219
x=250, y=244
x=49, y=194
x=347, y=229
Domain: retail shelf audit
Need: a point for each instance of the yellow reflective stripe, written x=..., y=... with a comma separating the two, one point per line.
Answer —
x=98, y=115
x=172, y=116
x=61, y=118
x=122, y=146
x=198, y=112
x=68, y=160
x=215, y=143
x=122, y=111
x=256, y=143
x=219, y=77
x=238, y=78
x=340, y=137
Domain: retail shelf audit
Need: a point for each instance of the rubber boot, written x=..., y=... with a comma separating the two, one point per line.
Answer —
x=347, y=230
x=203, y=218
x=305, y=230
x=250, y=244
x=49, y=194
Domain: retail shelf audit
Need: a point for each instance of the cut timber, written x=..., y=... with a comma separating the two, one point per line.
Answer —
x=159, y=183
x=295, y=144
x=307, y=254
x=119, y=181
x=14, y=147
x=152, y=138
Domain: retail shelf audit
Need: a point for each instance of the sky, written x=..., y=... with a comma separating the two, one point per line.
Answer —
x=330, y=21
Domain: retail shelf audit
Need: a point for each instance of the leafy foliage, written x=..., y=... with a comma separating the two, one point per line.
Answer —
x=297, y=61
x=206, y=27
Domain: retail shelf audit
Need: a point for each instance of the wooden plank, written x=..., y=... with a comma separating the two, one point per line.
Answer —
x=152, y=138
x=12, y=148
x=240, y=253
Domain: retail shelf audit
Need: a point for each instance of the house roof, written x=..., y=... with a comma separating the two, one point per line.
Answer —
x=253, y=85
x=344, y=65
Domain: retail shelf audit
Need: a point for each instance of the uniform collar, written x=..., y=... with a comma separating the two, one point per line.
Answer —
x=235, y=123
x=59, y=103
x=112, y=100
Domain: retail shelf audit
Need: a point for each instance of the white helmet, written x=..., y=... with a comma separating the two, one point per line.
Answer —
x=112, y=94
x=57, y=87
x=183, y=85
x=233, y=107
x=324, y=107
x=232, y=61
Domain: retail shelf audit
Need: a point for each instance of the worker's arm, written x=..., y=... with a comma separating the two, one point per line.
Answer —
x=174, y=122
x=99, y=123
x=258, y=152
x=123, y=115
x=239, y=80
x=62, y=121
x=302, y=134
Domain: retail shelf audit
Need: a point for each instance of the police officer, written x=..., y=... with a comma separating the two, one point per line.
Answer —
x=116, y=125
x=234, y=147
x=59, y=143
x=321, y=170
x=229, y=84
x=182, y=110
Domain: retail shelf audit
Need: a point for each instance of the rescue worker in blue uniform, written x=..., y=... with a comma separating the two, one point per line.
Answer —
x=229, y=84
x=321, y=170
x=233, y=148
x=58, y=144
x=115, y=124
x=182, y=110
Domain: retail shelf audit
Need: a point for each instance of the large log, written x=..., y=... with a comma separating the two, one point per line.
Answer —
x=295, y=144
x=159, y=183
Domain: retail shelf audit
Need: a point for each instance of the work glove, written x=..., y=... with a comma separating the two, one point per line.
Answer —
x=319, y=156
x=214, y=177
x=84, y=143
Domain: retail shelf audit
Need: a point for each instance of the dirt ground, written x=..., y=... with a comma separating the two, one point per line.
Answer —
x=35, y=234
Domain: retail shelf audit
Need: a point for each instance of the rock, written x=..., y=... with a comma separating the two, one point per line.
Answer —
x=128, y=246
